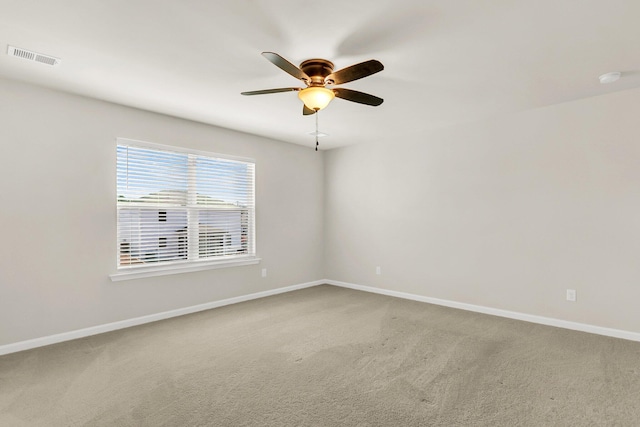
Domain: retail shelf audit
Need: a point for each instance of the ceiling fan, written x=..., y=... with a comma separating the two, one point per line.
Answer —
x=317, y=74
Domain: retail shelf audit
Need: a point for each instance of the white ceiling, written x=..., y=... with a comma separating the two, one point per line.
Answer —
x=446, y=61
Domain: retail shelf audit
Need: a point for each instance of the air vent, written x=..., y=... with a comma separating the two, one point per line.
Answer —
x=32, y=56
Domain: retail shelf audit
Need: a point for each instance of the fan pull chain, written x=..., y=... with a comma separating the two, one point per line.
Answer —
x=317, y=112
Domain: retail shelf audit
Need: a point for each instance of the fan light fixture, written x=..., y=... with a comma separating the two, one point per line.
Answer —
x=316, y=74
x=316, y=97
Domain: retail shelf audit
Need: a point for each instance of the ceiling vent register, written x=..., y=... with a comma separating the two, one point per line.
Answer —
x=33, y=56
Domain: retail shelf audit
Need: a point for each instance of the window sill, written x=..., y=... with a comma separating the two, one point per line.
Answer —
x=152, y=271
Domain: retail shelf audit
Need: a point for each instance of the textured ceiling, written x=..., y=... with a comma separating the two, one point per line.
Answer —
x=446, y=61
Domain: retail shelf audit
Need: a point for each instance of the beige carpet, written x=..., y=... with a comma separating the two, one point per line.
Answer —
x=327, y=356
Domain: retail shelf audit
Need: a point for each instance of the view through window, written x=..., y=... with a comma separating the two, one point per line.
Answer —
x=177, y=206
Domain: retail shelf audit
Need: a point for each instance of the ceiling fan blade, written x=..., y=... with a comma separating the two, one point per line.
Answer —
x=359, y=97
x=307, y=111
x=354, y=72
x=266, y=91
x=287, y=66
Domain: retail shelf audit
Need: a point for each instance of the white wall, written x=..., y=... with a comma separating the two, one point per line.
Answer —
x=507, y=213
x=58, y=217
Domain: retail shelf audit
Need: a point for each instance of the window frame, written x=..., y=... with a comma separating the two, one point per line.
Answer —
x=149, y=270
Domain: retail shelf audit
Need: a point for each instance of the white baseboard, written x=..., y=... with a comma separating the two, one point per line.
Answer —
x=583, y=327
x=94, y=330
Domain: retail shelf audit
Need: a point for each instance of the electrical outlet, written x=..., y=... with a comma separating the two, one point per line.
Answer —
x=571, y=295
x=378, y=271
x=264, y=272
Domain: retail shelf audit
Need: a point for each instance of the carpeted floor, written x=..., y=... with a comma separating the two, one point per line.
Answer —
x=327, y=356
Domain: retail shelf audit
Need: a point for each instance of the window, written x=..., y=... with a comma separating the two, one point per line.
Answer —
x=179, y=207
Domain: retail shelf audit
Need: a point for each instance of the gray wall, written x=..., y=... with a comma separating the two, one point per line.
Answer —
x=507, y=213
x=58, y=217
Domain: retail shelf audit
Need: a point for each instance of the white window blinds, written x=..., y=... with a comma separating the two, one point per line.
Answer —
x=177, y=206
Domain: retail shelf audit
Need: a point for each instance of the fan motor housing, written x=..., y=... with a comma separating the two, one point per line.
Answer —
x=317, y=70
